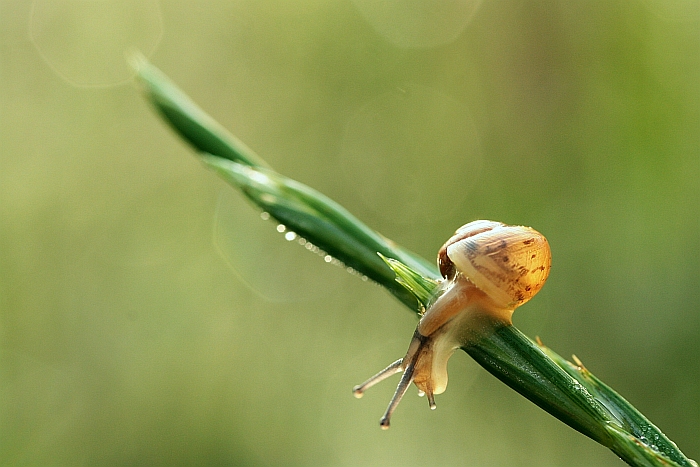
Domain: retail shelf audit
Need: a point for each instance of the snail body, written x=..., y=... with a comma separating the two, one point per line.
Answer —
x=489, y=269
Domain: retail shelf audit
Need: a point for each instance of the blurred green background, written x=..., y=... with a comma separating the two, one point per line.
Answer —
x=148, y=317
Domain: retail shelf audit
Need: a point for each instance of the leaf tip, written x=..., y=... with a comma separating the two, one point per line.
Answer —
x=136, y=60
x=420, y=286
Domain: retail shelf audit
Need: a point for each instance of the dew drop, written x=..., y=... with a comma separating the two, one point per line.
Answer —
x=268, y=198
x=281, y=228
x=328, y=258
x=270, y=266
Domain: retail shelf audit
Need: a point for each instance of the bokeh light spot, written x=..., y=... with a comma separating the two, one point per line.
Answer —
x=272, y=261
x=86, y=42
x=418, y=23
x=675, y=10
x=412, y=152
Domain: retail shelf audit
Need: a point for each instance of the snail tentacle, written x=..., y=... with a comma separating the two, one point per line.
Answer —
x=489, y=269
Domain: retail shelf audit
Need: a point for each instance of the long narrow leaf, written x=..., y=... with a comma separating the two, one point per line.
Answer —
x=567, y=391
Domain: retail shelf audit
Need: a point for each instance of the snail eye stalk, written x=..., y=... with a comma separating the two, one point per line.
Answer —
x=489, y=269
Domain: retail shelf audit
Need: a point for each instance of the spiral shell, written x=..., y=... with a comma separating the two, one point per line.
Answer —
x=509, y=263
x=490, y=269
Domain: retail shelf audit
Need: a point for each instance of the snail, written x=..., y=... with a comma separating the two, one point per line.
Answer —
x=489, y=269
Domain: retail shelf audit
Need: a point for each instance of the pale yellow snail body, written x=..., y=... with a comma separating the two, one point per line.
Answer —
x=489, y=269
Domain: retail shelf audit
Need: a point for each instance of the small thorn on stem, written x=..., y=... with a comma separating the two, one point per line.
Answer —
x=539, y=341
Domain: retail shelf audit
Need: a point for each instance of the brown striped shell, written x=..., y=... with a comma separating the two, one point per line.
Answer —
x=490, y=269
x=509, y=263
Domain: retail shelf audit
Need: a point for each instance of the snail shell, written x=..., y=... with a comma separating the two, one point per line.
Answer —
x=509, y=263
x=489, y=269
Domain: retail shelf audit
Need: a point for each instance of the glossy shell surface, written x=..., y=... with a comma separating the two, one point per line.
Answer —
x=509, y=263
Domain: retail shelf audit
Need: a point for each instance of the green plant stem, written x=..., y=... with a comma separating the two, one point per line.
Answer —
x=514, y=359
x=567, y=391
x=576, y=397
x=319, y=220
